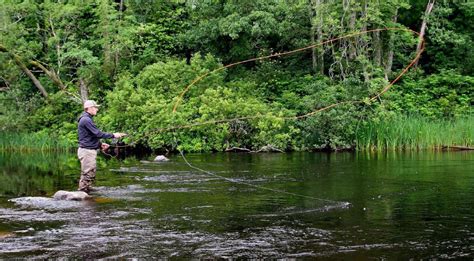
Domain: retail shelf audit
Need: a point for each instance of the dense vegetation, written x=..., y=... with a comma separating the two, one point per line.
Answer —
x=137, y=56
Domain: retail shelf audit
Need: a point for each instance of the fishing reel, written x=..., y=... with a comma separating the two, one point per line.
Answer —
x=117, y=143
x=117, y=148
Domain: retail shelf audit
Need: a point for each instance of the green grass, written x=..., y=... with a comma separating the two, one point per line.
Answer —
x=10, y=141
x=415, y=133
x=400, y=133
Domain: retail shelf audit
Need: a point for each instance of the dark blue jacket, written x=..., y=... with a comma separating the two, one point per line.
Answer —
x=89, y=135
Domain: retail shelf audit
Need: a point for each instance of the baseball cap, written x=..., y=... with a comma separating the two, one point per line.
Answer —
x=90, y=103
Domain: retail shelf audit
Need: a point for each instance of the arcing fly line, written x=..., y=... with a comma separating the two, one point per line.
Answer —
x=198, y=79
x=385, y=89
x=309, y=114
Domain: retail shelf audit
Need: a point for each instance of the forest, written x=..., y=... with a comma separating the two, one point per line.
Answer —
x=160, y=71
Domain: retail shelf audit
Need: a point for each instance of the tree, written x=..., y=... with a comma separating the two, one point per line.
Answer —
x=429, y=8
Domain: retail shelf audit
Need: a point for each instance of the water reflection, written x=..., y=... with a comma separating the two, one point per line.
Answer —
x=403, y=205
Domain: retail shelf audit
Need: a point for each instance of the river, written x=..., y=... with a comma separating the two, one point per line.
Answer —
x=291, y=205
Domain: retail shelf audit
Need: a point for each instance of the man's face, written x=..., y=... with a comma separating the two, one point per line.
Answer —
x=92, y=110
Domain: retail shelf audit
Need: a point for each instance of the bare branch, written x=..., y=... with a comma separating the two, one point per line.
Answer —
x=7, y=85
x=33, y=78
x=51, y=74
x=237, y=149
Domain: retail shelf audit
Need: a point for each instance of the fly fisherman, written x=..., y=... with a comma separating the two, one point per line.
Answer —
x=89, y=143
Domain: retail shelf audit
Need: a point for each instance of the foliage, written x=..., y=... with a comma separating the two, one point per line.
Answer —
x=136, y=57
x=239, y=31
x=143, y=105
x=414, y=132
x=451, y=37
x=444, y=95
x=39, y=141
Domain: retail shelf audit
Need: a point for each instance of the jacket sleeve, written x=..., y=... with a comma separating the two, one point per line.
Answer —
x=95, y=131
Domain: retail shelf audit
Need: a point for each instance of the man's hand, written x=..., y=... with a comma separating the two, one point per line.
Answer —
x=119, y=135
x=104, y=146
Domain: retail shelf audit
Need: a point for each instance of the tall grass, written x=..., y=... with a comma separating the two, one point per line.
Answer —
x=10, y=141
x=415, y=133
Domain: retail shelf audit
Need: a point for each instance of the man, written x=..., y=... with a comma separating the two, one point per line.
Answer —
x=89, y=143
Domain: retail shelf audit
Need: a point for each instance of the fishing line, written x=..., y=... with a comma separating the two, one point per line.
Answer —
x=180, y=97
x=309, y=114
x=342, y=204
x=336, y=203
x=385, y=89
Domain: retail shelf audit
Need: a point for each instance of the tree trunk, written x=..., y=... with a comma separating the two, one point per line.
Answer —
x=7, y=85
x=23, y=67
x=377, y=49
x=58, y=46
x=429, y=8
x=363, y=43
x=51, y=74
x=312, y=34
x=317, y=35
x=83, y=90
x=378, y=45
x=319, y=38
x=352, y=22
x=389, y=57
x=108, y=64
x=117, y=55
x=121, y=9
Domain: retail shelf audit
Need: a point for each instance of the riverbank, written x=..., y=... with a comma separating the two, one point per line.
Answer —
x=39, y=141
x=415, y=133
x=400, y=133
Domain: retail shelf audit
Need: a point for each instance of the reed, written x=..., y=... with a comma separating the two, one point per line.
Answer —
x=24, y=142
x=415, y=133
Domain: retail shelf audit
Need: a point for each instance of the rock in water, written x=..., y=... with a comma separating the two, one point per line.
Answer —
x=161, y=158
x=71, y=195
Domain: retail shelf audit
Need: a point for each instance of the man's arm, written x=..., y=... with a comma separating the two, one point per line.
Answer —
x=89, y=125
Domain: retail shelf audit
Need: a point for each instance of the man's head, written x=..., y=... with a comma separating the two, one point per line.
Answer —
x=91, y=107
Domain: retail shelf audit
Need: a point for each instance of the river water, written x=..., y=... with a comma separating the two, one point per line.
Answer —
x=293, y=205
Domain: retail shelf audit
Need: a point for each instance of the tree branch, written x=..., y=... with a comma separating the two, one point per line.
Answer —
x=23, y=67
x=7, y=85
x=266, y=148
x=51, y=74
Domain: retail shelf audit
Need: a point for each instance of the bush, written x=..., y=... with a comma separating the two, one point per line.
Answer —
x=444, y=95
x=143, y=106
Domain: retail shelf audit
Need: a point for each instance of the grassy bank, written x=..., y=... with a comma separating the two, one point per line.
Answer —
x=413, y=133
x=25, y=142
x=400, y=133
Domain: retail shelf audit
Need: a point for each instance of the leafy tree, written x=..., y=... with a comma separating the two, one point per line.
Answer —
x=136, y=57
x=143, y=105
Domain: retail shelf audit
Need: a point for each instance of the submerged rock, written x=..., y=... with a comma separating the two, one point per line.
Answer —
x=71, y=195
x=43, y=203
x=161, y=158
